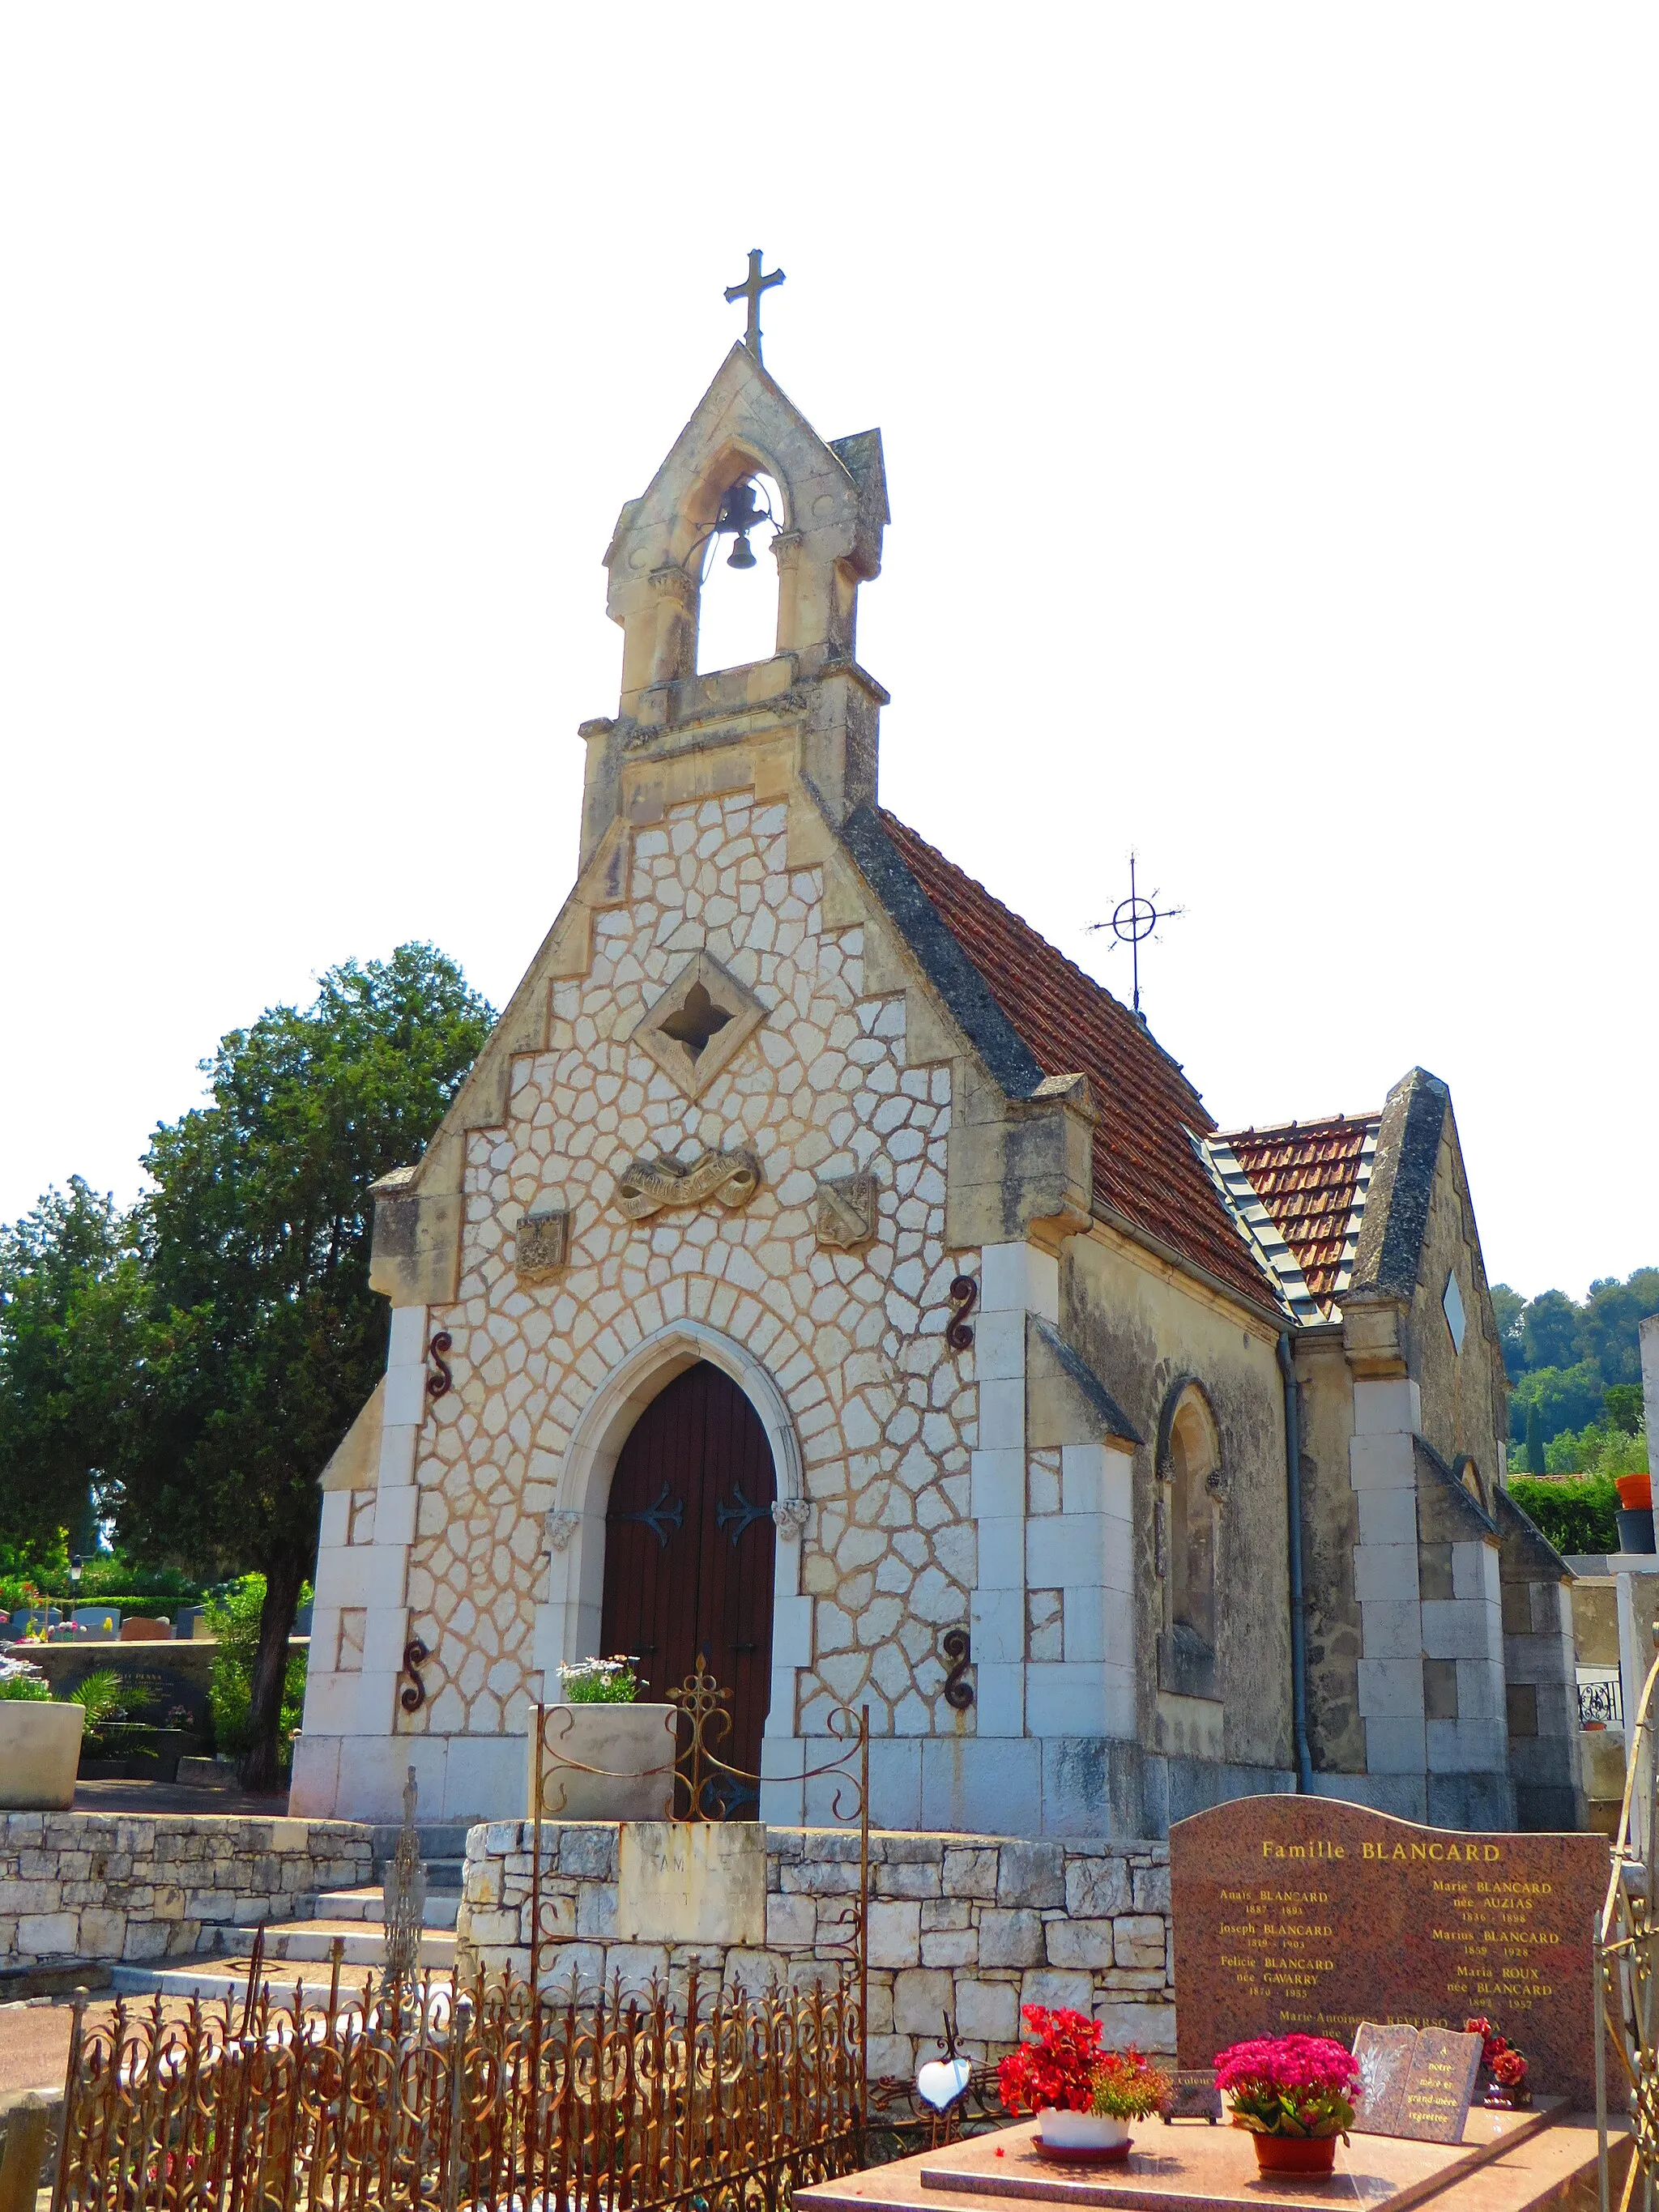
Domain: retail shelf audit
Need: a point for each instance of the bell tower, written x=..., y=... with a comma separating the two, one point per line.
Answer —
x=834, y=509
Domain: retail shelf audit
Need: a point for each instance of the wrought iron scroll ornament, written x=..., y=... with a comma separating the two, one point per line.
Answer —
x=438, y=1384
x=958, y=1648
x=412, y=1696
x=962, y=1297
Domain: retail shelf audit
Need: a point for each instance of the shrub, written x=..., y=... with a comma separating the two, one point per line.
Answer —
x=233, y=1615
x=1575, y=1517
x=598, y=1682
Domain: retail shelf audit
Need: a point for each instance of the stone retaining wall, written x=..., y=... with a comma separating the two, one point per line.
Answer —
x=127, y=1886
x=973, y=1926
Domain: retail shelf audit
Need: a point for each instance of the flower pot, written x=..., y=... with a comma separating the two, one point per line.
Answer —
x=1634, y=1491
x=1635, y=1527
x=1084, y=2138
x=605, y=1762
x=1304, y=2155
x=40, y=1751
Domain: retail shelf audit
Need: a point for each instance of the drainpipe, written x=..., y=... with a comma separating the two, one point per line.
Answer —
x=1298, y=1627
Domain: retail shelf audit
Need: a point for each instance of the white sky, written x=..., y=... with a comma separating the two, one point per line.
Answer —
x=1268, y=403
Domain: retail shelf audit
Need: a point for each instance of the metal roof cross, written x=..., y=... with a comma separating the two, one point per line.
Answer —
x=751, y=289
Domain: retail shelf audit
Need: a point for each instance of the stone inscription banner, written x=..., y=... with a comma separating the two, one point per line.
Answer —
x=1308, y=1916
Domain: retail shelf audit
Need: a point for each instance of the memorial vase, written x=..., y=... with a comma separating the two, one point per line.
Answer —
x=1085, y=2136
x=1294, y=2154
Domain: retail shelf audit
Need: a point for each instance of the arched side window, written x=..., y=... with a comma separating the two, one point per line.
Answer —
x=1190, y=1490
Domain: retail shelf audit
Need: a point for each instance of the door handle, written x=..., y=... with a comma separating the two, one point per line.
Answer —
x=741, y=1648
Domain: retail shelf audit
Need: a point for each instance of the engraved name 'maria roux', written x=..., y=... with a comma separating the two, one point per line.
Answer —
x=1299, y=1917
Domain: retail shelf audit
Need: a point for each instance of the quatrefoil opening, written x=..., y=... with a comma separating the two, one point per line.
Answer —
x=700, y=1025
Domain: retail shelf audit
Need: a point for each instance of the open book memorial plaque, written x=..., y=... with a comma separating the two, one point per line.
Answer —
x=1414, y=2083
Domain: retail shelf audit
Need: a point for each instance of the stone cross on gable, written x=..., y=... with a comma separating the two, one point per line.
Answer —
x=751, y=289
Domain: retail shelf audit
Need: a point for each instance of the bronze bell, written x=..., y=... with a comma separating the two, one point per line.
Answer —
x=740, y=511
x=741, y=556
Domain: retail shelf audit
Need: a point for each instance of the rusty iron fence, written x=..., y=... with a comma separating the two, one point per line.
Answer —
x=715, y=2101
x=701, y=1778
x=1626, y=1969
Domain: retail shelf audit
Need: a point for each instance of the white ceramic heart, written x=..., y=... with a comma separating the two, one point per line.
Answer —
x=942, y=2081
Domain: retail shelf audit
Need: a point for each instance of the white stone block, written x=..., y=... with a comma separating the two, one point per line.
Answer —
x=1391, y=1628
x=335, y=1527
x=1086, y=1626
x=792, y=1631
x=1002, y=1416
x=997, y=1485
x=1071, y=1549
x=1468, y=1747
x=385, y=1633
x=1469, y=1571
x=406, y=1344
x=981, y=1786
x=404, y=1404
x=999, y=1347
x=483, y=1778
x=1063, y=1700
x=331, y=1707
x=372, y=1769
x=1383, y=1462
x=1118, y=1699
x=997, y=1626
x=1391, y=1689
x=1001, y=1554
x=999, y=1699
x=692, y=1881
x=1454, y=1628
x=1480, y=1691
x=1388, y=1516
x=1083, y=1487
x=1385, y=1571
x=316, y=1777
x=895, y=1782
x=398, y=1447
x=1394, y=1403
x=1395, y=1746
x=394, y=1515
x=1017, y=1277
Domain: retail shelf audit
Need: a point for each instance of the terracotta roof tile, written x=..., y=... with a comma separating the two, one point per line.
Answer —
x=1306, y=1173
x=1144, y=1166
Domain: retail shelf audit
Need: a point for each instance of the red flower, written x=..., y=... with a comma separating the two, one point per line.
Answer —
x=1058, y=2068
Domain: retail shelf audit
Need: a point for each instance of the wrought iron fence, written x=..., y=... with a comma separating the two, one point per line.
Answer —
x=1600, y=1703
x=720, y=2101
x=706, y=1787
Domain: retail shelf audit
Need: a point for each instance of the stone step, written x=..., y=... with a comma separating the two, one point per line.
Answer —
x=370, y=1904
x=208, y=1978
x=307, y=1942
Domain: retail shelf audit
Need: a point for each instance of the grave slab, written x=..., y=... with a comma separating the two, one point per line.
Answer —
x=1507, y=2162
x=1308, y=1916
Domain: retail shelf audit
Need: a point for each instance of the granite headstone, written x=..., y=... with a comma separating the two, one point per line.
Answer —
x=1307, y=1915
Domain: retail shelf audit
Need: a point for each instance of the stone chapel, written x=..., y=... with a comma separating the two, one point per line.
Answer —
x=818, y=1272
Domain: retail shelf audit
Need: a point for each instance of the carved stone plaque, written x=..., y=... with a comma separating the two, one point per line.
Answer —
x=847, y=1210
x=645, y=1186
x=543, y=1245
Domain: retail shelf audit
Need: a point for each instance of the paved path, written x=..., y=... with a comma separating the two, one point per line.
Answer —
x=173, y=1797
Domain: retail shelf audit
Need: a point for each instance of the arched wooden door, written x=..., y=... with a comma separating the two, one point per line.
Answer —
x=689, y=1550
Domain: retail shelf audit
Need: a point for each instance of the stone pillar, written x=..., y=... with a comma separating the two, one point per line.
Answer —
x=1383, y=1469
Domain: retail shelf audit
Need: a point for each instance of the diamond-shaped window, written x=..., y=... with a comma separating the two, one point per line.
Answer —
x=700, y=1025
x=1452, y=1304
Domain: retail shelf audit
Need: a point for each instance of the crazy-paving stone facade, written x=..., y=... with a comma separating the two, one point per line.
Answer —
x=786, y=1094
x=962, y=1928
x=139, y=1887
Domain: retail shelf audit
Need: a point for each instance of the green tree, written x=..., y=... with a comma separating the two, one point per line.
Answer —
x=1610, y=1328
x=262, y=1338
x=1508, y=1306
x=1623, y=1404
x=1566, y=1398
x=1549, y=1330
x=1534, y=1440
x=69, y=1292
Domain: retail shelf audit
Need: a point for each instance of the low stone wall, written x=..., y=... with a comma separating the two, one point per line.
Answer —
x=126, y=1885
x=153, y=1676
x=970, y=1926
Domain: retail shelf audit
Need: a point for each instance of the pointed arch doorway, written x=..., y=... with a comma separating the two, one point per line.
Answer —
x=691, y=1553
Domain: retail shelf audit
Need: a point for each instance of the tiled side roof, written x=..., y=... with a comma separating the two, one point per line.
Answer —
x=1145, y=1166
x=1311, y=1176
